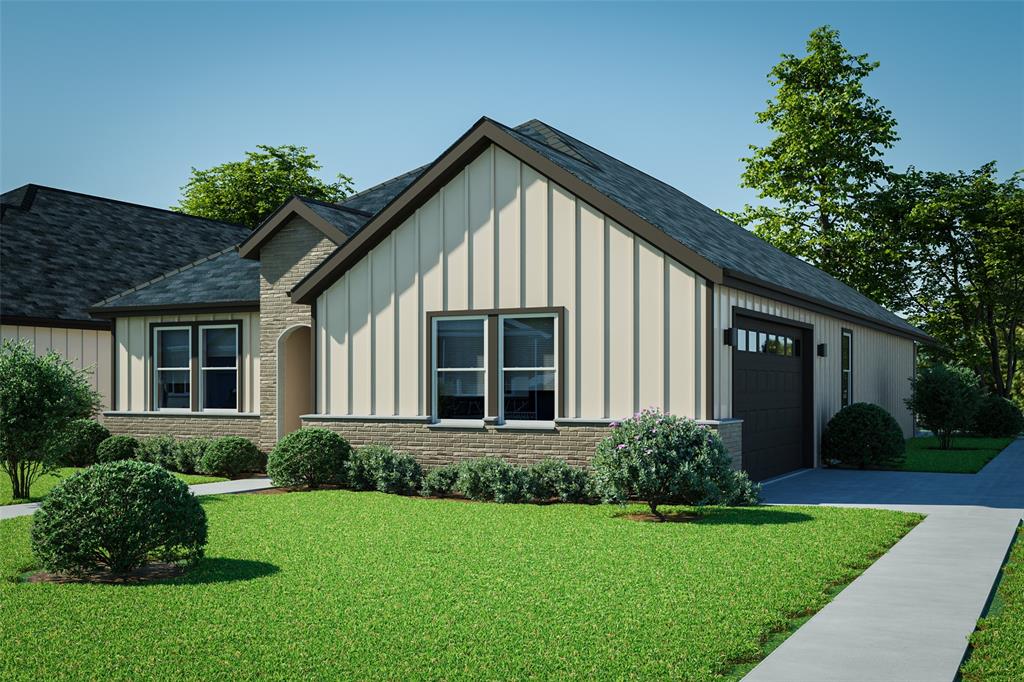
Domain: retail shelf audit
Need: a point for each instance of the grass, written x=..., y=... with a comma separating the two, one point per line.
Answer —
x=46, y=483
x=997, y=647
x=968, y=456
x=335, y=584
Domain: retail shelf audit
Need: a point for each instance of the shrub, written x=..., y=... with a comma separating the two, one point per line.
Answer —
x=493, y=479
x=863, y=435
x=553, y=477
x=998, y=417
x=441, y=481
x=188, y=453
x=78, y=445
x=309, y=457
x=665, y=459
x=230, y=456
x=39, y=398
x=118, y=515
x=160, y=450
x=378, y=467
x=118, y=448
x=945, y=399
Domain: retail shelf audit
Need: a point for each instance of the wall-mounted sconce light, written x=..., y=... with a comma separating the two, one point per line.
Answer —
x=822, y=350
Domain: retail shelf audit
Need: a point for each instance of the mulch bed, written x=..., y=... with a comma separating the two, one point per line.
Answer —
x=148, y=573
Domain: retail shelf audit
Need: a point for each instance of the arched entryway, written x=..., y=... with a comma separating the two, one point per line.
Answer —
x=294, y=387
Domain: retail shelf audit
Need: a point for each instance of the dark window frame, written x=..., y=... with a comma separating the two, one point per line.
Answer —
x=846, y=371
x=492, y=369
x=194, y=365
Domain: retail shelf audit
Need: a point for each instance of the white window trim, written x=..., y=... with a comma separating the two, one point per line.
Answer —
x=203, y=370
x=157, y=369
x=501, y=367
x=434, y=371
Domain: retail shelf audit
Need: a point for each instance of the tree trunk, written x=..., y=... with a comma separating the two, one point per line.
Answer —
x=654, y=510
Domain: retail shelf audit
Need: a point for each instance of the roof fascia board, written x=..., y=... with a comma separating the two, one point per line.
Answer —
x=250, y=248
x=754, y=286
x=26, y=321
x=131, y=311
x=462, y=152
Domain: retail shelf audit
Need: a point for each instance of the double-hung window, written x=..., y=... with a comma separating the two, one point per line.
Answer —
x=496, y=365
x=218, y=371
x=528, y=368
x=196, y=366
x=173, y=368
x=460, y=379
x=846, y=353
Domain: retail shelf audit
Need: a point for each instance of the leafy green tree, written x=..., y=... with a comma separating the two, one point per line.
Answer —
x=823, y=164
x=40, y=397
x=961, y=237
x=246, y=192
x=945, y=399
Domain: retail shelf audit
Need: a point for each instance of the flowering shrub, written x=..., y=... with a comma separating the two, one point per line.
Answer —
x=665, y=459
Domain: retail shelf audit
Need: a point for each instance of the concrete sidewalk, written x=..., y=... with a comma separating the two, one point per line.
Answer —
x=908, y=617
x=241, y=485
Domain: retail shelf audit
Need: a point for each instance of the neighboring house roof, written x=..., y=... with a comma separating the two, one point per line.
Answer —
x=698, y=236
x=222, y=280
x=62, y=251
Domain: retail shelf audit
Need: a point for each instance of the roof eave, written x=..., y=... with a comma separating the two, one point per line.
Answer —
x=144, y=309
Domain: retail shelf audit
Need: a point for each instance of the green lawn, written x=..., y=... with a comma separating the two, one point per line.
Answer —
x=969, y=455
x=997, y=651
x=336, y=584
x=46, y=483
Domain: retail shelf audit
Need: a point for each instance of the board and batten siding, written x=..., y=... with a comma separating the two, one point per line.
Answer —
x=882, y=366
x=501, y=235
x=85, y=348
x=134, y=369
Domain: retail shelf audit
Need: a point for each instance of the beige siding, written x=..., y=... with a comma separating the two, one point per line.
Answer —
x=500, y=234
x=84, y=348
x=134, y=366
x=882, y=363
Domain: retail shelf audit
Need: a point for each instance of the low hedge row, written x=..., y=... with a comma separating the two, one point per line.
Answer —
x=225, y=456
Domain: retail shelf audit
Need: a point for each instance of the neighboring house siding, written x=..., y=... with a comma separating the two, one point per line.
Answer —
x=882, y=363
x=288, y=257
x=500, y=235
x=134, y=368
x=85, y=348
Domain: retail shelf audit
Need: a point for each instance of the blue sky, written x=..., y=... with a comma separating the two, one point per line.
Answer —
x=120, y=99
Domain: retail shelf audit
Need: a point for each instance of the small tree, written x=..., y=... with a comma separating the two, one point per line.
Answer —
x=665, y=459
x=945, y=399
x=40, y=396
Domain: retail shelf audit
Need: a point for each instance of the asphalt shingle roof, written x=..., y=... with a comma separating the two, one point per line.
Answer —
x=694, y=225
x=61, y=251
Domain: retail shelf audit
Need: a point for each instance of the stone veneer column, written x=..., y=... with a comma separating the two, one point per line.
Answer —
x=288, y=257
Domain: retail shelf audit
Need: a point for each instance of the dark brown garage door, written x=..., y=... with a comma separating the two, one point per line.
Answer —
x=769, y=394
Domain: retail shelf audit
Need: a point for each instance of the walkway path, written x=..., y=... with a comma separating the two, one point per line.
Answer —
x=909, y=615
x=240, y=485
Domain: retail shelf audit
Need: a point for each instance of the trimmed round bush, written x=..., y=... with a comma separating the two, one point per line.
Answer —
x=490, y=479
x=118, y=516
x=863, y=435
x=664, y=459
x=553, y=477
x=79, y=443
x=440, y=481
x=309, y=457
x=998, y=418
x=187, y=454
x=118, y=448
x=159, y=450
x=378, y=467
x=230, y=456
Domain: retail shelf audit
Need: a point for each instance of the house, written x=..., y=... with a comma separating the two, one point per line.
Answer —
x=61, y=252
x=514, y=298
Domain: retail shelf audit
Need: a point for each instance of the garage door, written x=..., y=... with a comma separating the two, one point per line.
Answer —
x=768, y=395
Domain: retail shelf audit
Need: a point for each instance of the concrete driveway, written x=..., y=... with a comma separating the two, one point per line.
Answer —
x=908, y=617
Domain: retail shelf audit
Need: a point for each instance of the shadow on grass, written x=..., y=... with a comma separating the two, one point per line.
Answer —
x=726, y=516
x=224, y=570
